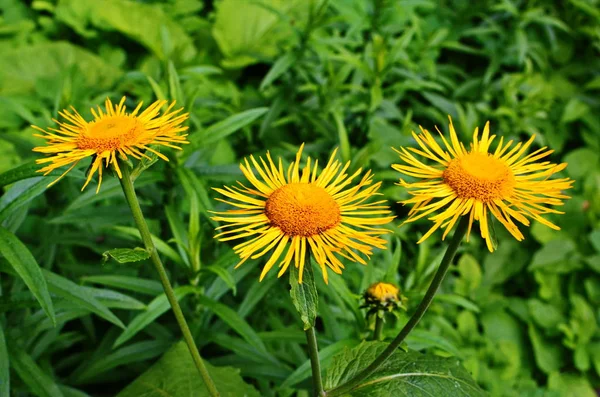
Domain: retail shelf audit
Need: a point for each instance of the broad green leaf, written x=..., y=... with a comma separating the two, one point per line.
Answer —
x=423, y=339
x=247, y=32
x=226, y=127
x=38, y=381
x=551, y=254
x=135, y=284
x=595, y=239
x=21, y=260
x=175, y=375
x=304, y=296
x=126, y=255
x=581, y=162
x=26, y=67
x=570, y=385
x=4, y=366
x=574, y=110
x=548, y=355
x=144, y=23
x=155, y=309
x=544, y=314
x=403, y=374
x=80, y=296
x=326, y=354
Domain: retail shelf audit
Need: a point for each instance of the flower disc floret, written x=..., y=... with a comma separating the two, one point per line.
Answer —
x=302, y=209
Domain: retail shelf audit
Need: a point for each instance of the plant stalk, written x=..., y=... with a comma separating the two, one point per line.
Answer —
x=378, y=327
x=140, y=222
x=313, y=352
x=416, y=317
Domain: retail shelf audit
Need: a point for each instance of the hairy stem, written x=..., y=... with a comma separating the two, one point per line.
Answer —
x=140, y=222
x=313, y=352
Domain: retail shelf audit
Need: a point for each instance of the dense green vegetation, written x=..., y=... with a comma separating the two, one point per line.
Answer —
x=359, y=75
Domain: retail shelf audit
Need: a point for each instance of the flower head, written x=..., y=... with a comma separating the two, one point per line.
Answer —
x=477, y=182
x=113, y=132
x=383, y=297
x=303, y=209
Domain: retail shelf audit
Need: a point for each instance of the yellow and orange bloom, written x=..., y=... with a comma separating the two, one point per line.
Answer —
x=505, y=183
x=112, y=133
x=303, y=209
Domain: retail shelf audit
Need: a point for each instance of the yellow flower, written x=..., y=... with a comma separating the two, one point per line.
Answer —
x=382, y=292
x=323, y=212
x=477, y=182
x=112, y=132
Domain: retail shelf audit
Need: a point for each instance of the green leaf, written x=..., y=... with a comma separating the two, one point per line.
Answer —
x=175, y=375
x=160, y=245
x=325, y=356
x=548, y=355
x=581, y=162
x=279, y=67
x=144, y=23
x=574, y=110
x=223, y=274
x=226, y=127
x=570, y=385
x=595, y=239
x=305, y=296
x=21, y=260
x=544, y=314
x=238, y=324
x=136, y=352
x=135, y=284
x=28, y=67
x=29, y=170
x=4, y=366
x=155, y=309
x=551, y=254
x=248, y=31
x=403, y=374
x=126, y=255
x=342, y=136
x=21, y=193
x=80, y=296
x=38, y=381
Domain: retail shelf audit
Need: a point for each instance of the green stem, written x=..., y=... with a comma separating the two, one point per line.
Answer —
x=378, y=327
x=140, y=222
x=416, y=317
x=313, y=352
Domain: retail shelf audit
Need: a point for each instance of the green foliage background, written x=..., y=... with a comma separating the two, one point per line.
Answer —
x=268, y=75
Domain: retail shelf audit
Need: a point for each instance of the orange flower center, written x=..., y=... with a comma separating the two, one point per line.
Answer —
x=479, y=176
x=110, y=133
x=302, y=209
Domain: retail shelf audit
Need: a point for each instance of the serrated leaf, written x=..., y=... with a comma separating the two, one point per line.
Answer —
x=402, y=374
x=126, y=255
x=305, y=296
x=25, y=265
x=175, y=375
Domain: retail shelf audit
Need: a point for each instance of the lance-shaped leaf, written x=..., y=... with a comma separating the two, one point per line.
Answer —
x=304, y=295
